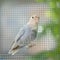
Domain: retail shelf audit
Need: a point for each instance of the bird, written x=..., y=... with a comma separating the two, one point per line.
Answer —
x=26, y=35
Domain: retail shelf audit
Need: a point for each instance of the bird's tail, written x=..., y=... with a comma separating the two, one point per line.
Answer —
x=14, y=49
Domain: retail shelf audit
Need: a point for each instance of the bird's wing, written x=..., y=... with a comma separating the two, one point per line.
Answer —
x=15, y=46
x=20, y=34
x=25, y=36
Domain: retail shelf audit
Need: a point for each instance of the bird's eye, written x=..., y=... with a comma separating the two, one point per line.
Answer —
x=32, y=17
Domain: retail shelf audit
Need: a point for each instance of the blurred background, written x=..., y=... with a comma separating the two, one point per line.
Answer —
x=16, y=13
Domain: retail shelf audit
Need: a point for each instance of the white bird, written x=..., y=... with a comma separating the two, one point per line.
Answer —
x=26, y=35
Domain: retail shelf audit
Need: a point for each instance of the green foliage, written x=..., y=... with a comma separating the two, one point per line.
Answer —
x=40, y=1
x=47, y=0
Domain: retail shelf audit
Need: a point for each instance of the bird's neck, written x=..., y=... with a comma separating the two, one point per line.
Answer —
x=33, y=25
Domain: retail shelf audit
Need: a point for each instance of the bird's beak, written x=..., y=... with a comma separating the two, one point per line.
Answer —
x=37, y=17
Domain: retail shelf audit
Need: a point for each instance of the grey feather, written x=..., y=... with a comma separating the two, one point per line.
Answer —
x=26, y=36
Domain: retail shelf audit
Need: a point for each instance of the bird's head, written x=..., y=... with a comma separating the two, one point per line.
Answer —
x=33, y=22
x=34, y=18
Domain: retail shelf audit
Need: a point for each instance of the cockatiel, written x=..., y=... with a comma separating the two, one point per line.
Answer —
x=26, y=35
